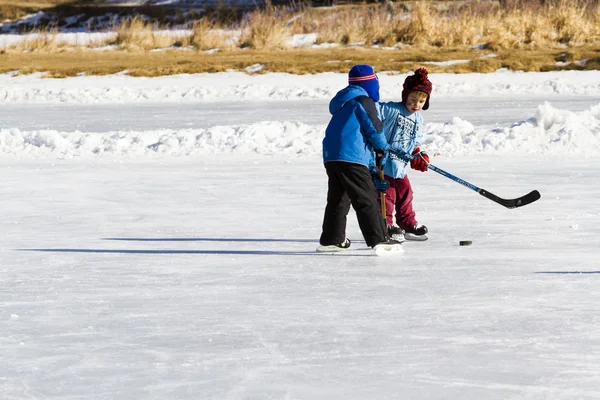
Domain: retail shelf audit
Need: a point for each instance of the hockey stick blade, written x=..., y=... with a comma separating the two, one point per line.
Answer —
x=508, y=203
x=512, y=203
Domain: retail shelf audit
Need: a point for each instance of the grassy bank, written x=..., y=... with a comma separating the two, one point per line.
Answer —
x=506, y=24
x=298, y=61
x=529, y=35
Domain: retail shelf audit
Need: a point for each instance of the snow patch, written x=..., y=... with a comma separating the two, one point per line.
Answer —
x=239, y=86
x=254, y=68
x=302, y=40
x=550, y=131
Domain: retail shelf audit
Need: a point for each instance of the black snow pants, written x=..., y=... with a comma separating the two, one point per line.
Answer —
x=351, y=184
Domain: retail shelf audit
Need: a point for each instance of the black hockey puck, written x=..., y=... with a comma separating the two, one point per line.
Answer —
x=465, y=243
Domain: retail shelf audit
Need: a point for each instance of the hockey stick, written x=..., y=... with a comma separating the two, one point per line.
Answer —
x=378, y=158
x=508, y=203
x=382, y=195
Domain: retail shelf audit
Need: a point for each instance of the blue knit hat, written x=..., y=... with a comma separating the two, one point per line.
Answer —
x=364, y=76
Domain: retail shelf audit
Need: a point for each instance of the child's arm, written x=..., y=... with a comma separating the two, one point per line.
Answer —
x=384, y=111
x=371, y=125
x=419, y=133
x=421, y=158
x=389, y=115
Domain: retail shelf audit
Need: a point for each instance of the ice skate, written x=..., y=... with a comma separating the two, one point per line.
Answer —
x=396, y=233
x=388, y=247
x=416, y=233
x=334, y=248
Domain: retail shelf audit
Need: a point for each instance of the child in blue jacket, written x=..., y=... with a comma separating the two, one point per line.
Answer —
x=403, y=130
x=353, y=133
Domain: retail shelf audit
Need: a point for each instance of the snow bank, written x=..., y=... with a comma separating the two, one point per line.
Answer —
x=238, y=86
x=550, y=131
x=260, y=138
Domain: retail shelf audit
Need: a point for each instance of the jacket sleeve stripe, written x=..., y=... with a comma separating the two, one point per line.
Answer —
x=370, y=122
x=369, y=106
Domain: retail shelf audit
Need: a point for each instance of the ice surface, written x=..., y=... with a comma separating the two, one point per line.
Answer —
x=191, y=273
x=198, y=279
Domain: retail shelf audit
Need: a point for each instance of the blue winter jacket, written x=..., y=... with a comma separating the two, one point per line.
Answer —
x=402, y=130
x=354, y=129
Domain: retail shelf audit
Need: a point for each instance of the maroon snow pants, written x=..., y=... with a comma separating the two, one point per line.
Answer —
x=399, y=198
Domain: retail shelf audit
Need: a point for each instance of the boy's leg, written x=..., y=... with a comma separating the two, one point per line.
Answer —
x=358, y=183
x=336, y=210
x=405, y=215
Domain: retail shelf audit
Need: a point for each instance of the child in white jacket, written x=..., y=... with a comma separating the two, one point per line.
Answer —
x=403, y=130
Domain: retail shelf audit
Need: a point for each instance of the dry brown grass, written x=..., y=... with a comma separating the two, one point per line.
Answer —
x=135, y=34
x=517, y=25
x=298, y=61
x=139, y=35
x=525, y=35
x=42, y=41
x=14, y=9
x=265, y=29
x=206, y=36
